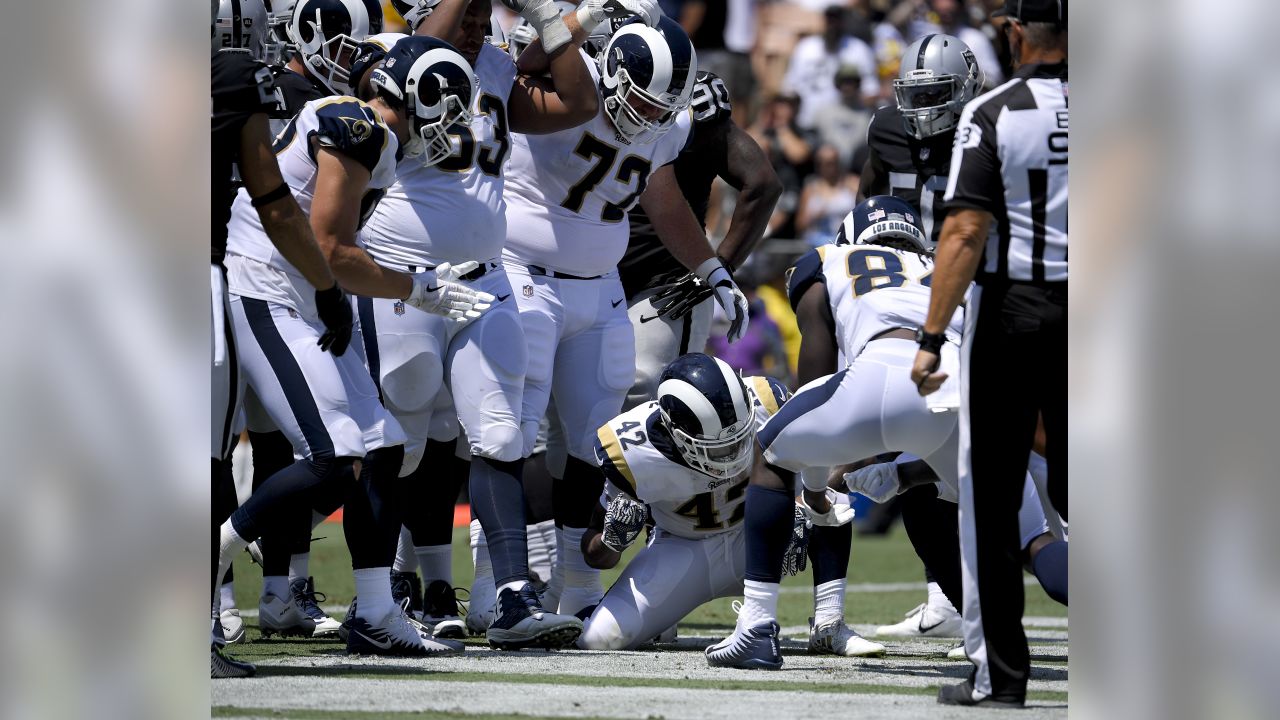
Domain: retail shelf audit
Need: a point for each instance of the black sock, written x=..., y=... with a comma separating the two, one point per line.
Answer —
x=829, y=552
x=374, y=509
x=432, y=492
x=539, y=490
x=497, y=499
x=305, y=482
x=1050, y=568
x=932, y=525
x=769, y=517
x=272, y=452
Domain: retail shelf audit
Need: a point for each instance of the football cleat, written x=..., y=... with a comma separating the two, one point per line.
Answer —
x=964, y=694
x=280, y=616
x=232, y=625
x=837, y=638
x=755, y=648
x=221, y=666
x=304, y=593
x=395, y=635
x=351, y=613
x=957, y=653
x=407, y=585
x=925, y=621
x=440, y=611
x=522, y=623
x=667, y=636
x=481, y=605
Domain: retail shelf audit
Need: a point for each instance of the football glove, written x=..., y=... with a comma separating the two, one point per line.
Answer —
x=797, y=554
x=732, y=301
x=681, y=297
x=593, y=12
x=439, y=292
x=334, y=308
x=623, y=521
x=839, y=514
x=879, y=482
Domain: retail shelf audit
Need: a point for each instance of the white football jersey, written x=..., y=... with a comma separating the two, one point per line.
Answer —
x=638, y=457
x=453, y=211
x=342, y=123
x=568, y=192
x=871, y=289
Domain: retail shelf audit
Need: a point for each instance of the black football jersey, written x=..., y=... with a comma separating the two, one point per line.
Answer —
x=241, y=87
x=647, y=263
x=914, y=170
x=297, y=90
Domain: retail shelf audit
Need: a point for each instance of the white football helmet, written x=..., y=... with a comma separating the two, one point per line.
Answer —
x=647, y=78
x=938, y=75
x=327, y=34
x=709, y=413
x=241, y=25
x=436, y=85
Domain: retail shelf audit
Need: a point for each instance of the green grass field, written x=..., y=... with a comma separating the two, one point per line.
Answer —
x=316, y=679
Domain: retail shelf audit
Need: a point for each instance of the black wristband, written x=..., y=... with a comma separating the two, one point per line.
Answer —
x=268, y=198
x=333, y=294
x=932, y=342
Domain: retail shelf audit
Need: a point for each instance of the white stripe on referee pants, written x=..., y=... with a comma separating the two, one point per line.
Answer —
x=974, y=641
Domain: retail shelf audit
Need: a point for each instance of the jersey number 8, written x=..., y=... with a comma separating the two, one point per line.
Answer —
x=876, y=269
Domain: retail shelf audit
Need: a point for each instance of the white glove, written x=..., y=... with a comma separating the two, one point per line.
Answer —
x=731, y=299
x=544, y=17
x=841, y=511
x=593, y=12
x=439, y=293
x=878, y=482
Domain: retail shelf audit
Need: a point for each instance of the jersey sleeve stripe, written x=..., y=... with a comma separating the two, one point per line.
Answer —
x=765, y=393
x=616, y=468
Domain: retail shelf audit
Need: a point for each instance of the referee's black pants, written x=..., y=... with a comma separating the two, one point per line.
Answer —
x=1013, y=368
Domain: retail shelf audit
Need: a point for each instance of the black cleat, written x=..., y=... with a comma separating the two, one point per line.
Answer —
x=964, y=694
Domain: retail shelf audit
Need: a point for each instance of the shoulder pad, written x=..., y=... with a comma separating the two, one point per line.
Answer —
x=710, y=103
x=353, y=129
x=768, y=392
x=806, y=272
x=612, y=462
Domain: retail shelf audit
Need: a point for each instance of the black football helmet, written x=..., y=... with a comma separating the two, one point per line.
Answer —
x=436, y=84
x=327, y=34
x=647, y=77
x=709, y=413
x=884, y=220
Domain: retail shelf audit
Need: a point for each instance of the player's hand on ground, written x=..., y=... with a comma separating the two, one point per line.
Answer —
x=879, y=482
x=924, y=373
x=731, y=299
x=797, y=554
x=597, y=11
x=623, y=521
x=440, y=292
x=828, y=509
x=681, y=297
x=334, y=308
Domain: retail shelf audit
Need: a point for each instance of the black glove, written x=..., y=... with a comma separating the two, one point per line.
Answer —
x=678, y=299
x=334, y=308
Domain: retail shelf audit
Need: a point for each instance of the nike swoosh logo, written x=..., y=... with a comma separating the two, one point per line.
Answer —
x=385, y=645
x=644, y=319
x=619, y=302
x=924, y=629
x=501, y=298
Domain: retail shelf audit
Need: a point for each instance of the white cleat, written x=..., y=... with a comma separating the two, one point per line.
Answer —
x=232, y=625
x=836, y=638
x=280, y=616
x=957, y=653
x=925, y=621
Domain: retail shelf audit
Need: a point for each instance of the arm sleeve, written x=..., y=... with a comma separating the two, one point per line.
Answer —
x=974, y=180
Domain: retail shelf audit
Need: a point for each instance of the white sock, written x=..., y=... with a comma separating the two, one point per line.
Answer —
x=277, y=585
x=828, y=602
x=483, y=583
x=542, y=548
x=229, y=544
x=436, y=562
x=938, y=599
x=299, y=566
x=582, y=585
x=759, y=604
x=405, y=559
x=228, y=593
x=373, y=593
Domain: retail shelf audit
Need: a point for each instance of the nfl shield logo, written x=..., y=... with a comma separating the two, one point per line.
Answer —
x=528, y=291
x=398, y=307
x=924, y=153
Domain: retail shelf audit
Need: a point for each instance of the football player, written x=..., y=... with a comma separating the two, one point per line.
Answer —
x=567, y=199
x=243, y=94
x=863, y=301
x=683, y=460
x=908, y=156
x=338, y=155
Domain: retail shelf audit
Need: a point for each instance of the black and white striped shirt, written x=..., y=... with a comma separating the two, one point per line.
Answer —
x=1010, y=159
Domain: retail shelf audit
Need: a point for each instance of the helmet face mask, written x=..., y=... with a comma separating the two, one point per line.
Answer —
x=429, y=141
x=709, y=413
x=279, y=47
x=436, y=85
x=939, y=75
x=721, y=457
x=328, y=52
x=630, y=108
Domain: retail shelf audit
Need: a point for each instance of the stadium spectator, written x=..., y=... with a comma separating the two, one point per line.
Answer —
x=953, y=18
x=790, y=150
x=760, y=350
x=812, y=69
x=828, y=196
x=724, y=33
x=843, y=125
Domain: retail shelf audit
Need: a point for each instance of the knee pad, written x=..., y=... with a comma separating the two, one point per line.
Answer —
x=499, y=441
x=412, y=386
x=602, y=632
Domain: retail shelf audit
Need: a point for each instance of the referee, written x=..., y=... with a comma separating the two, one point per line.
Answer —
x=1007, y=224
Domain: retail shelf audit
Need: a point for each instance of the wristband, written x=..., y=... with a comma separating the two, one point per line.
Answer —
x=709, y=266
x=270, y=197
x=931, y=342
x=552, y=31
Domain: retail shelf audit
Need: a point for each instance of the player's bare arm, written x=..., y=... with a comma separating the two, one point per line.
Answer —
x=593, y=548
x=673, y=219
x=335, y=215
x=747, y=170
x=873, y=180
x=282, y=219
x=964, y=233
